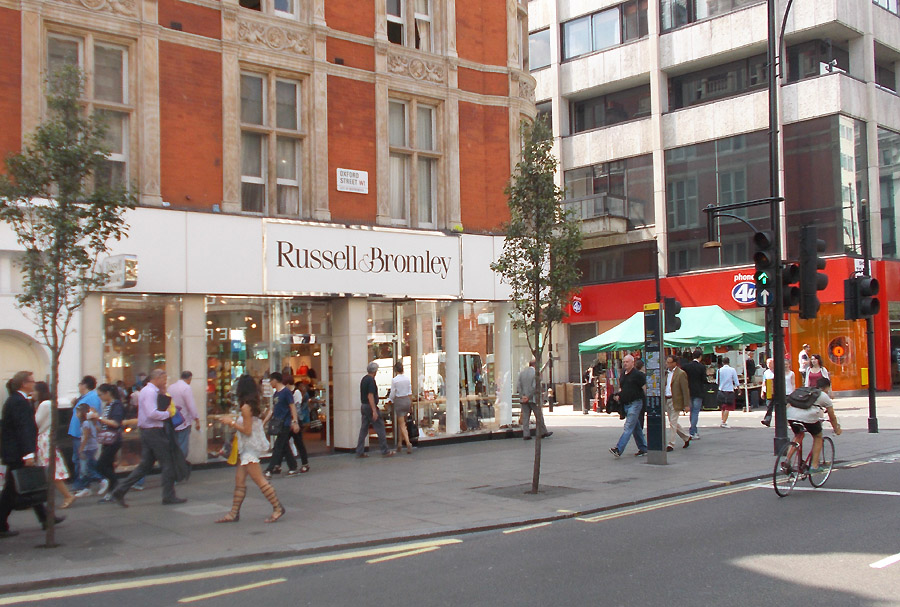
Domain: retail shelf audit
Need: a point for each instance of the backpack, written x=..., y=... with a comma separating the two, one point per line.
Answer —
x=804, y=397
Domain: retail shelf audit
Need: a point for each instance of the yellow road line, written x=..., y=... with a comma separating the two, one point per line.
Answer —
x=656, y=506
x=401, y=555
x=565, y=511
x=527, y=527
x=212, y=595
x=228, y=571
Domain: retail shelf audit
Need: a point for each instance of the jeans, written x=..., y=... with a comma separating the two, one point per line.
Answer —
x=282, y=450
x=87, y=472
x=770, y=405
x=378, y=424
x=106, y=464
x=301, y=448
x=696, y=405
x=76, y=465
x=633, y=411
x=183, y=438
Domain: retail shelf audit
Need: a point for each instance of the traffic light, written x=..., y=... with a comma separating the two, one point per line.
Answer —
x=811, y=280
x=671, y=309
x=859, y=297
x=764, y=260
x=790, y=276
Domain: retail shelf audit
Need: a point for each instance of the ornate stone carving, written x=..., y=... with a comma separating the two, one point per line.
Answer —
x=526, y=91
x=127, y=8
x=416, y=68
x=275, y=38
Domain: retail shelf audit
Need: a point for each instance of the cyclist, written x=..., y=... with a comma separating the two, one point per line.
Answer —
x=810, y=420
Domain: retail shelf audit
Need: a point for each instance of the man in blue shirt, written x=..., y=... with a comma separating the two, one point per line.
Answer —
x=728, y=383
x=87, y=387
x=284, y=414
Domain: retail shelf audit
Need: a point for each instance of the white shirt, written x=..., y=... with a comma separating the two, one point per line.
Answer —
x=811, y=415
x=400, y=386
x=789, y=385
x=669, y=375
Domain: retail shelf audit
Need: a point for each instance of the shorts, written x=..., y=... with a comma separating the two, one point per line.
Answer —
x=725, y=400
x=800, y=427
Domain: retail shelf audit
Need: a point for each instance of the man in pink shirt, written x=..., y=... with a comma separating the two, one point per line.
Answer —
x=183, y=399
x=155, y=445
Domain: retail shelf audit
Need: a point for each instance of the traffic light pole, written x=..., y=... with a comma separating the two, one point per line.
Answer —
x=870, y=320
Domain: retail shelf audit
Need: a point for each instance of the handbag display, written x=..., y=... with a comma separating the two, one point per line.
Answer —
x=31, y=486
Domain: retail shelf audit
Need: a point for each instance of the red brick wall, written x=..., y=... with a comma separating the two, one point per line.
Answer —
x=484, y=166
x=485, y=83
x=351, y=16
x=190, y=100
x=10, y=84
x=354, y=55
x=351, y=145
x=481, y=31
x=194, y=19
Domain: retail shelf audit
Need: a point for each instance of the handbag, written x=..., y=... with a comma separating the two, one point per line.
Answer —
x=233, y=456
x=178, y=418
x=276, y=426
x=412, y=428
x=31, y=486
x=108, y=437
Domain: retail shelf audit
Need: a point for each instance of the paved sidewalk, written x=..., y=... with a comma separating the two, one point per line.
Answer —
x=443, y=489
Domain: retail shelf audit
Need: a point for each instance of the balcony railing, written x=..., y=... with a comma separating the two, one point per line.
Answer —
x=596, y=207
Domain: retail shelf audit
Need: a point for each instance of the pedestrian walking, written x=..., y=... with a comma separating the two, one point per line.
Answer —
x=789, y=386
x=87, y=453
x=401, y=397
x=42, y=455
x=728, y=383
x=87, y=389
x=368, y=394
x=300, y=393
x=678, y=399
x=183, y=399
x=527, y=387
x=111, y=421
x=698, y=385
x=282, y=421
x=252, y=443
x=18, y=446
x=632, y=387
x=155, y=443
x=815, y=372
x=803, y=361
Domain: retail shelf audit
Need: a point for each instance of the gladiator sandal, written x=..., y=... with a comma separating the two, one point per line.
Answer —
x=278, y=510
x=235, y=514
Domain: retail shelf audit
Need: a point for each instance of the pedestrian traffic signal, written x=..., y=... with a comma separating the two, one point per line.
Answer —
x=764, y=276
x=671, y=309
x=790, y=276
x=811, y=280
x=859, y=297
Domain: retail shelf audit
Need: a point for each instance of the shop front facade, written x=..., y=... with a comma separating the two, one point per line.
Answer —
x=841, y=343
x=319, y=301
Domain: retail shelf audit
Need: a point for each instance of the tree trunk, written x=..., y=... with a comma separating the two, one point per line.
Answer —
x=538, y=350
x=50, y=541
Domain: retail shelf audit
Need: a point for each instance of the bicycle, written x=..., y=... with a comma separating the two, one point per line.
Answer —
x=791, y=467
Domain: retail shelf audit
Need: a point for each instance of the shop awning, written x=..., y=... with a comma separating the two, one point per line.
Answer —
x=700, y=326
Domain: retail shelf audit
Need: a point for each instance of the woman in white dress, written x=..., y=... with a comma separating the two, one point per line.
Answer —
x=42, y=419
x=252, y=443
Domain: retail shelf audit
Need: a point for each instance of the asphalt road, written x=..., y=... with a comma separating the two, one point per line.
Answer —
x=735, y=546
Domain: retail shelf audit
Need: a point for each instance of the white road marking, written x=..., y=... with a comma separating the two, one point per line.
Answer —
x=402, y=555
x=527, y=527
x=225, y=572
x=223, y=592
x=831, y=490
x=885, y=562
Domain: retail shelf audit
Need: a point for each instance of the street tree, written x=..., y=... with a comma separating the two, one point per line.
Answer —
x=540, y=252
x=58, y=199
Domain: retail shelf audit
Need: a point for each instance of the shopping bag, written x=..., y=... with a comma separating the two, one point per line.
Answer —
x=233, y=456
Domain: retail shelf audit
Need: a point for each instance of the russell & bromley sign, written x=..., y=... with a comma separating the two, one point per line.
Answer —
x=324, y=259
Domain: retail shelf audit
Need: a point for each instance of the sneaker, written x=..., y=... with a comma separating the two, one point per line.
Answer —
x=695, y=437
x=106, y=499
x=615, y=451
x=139, y=487
x=104, y=485
x=669, y=448
x=293, y=473
x=86, y=492
x=267, y=474
x=640, y=454
x=724, y=425
x=817, y=470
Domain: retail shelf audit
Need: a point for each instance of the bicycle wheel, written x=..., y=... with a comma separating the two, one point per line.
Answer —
x=787, y=469
x=826, y=464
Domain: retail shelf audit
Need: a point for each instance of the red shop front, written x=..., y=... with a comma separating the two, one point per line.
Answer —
x=841, y=343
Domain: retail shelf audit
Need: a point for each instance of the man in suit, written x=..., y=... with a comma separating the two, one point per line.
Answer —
x=528, y=400
x=18, y=435
x=678, y=399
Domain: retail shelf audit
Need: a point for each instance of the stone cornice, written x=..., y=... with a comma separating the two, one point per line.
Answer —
x=417, y=68
x=273, y=37
x=125, y=8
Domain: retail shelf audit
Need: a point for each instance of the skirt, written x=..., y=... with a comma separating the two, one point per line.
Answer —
x=402, y=405
x=40, y=458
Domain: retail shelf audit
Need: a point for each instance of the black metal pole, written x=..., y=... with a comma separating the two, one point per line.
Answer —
x=774, y=192
x=870, y=321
